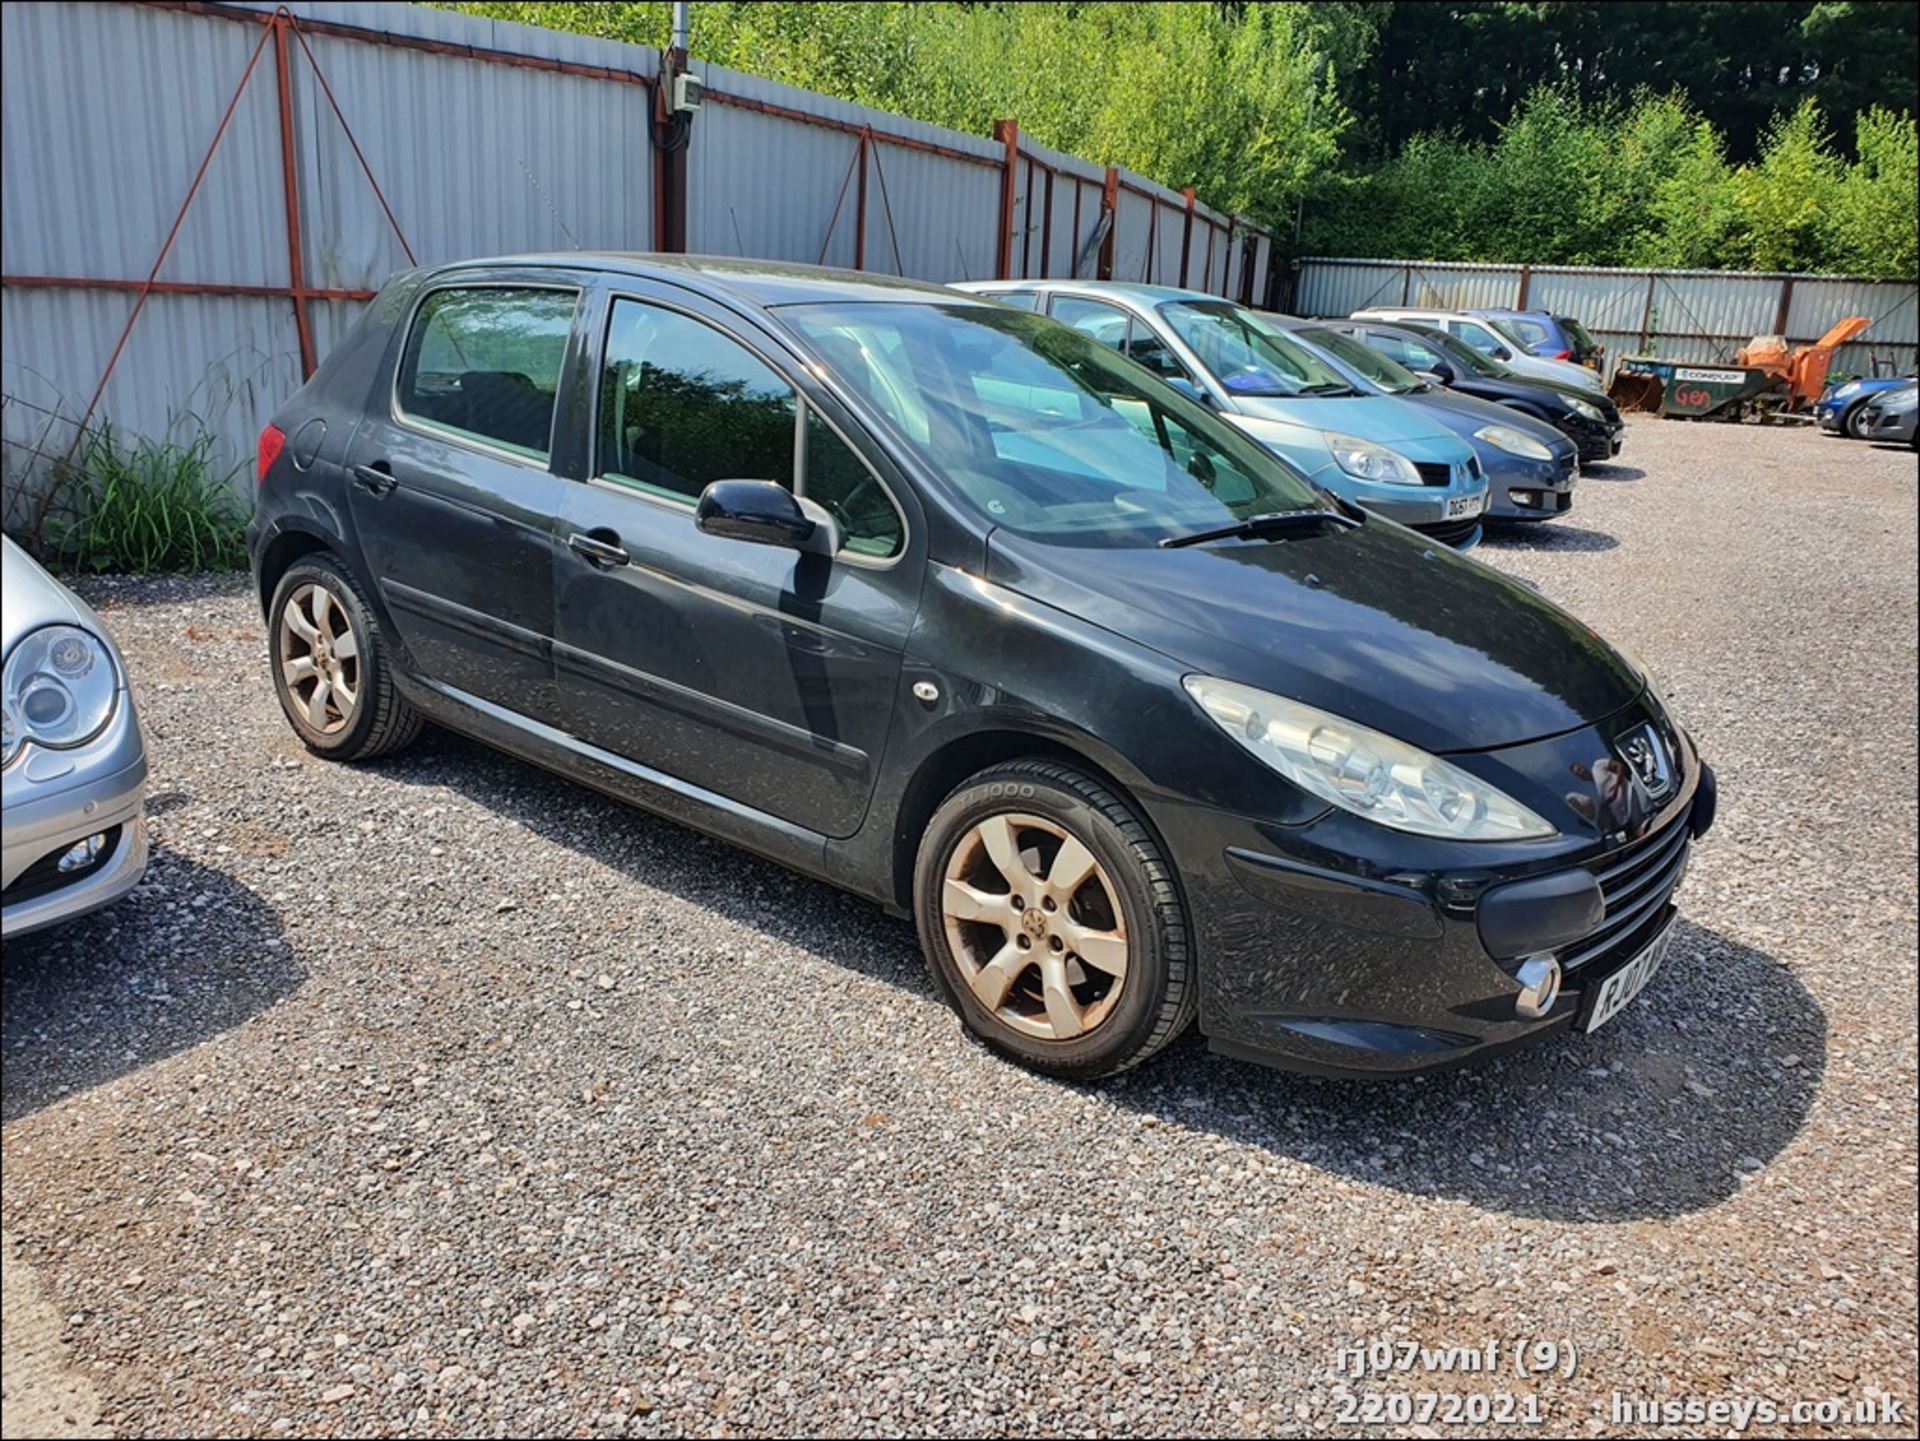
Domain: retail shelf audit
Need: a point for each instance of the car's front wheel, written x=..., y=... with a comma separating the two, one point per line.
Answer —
x=1854, y=423
x=330, y=666
x=1051, y=921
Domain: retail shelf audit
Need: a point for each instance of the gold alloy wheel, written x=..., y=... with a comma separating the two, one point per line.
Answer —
x=1035, y=926
x=320, y=659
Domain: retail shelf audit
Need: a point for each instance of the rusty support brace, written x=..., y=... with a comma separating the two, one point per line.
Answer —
x=1785, y=307
x=1007, y=132
x=1110, y=208
x=1526, y=287
x=1046, y=225
x=290, y=176
x=180, y=287
x=860, y=206
x=166, y=249
x=1186, y=236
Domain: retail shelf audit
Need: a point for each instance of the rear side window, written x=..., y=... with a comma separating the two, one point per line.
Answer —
x=1094, y=319
x=1020, y=299
x=484, y=363
x=1531, y=331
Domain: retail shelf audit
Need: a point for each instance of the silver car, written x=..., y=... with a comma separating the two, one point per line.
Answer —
x=73, y=767
x=1890, y=415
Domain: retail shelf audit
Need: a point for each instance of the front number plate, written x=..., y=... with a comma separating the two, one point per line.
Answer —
x=1619, y=989
x=1461, y=506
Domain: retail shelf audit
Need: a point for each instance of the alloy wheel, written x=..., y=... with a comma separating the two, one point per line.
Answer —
x=319, y=659
x=1035, y=926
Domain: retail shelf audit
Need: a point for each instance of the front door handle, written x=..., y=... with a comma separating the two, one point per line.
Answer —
x=376, y=478
x=598, y=550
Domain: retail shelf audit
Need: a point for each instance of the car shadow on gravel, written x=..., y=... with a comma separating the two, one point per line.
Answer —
x=190, y=953
x=1546, y=535
x=1673, y=1107
x=1693, y=1088
x=1612, y=472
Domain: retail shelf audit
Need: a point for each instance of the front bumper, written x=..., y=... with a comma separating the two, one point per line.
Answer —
x=1519, y=489
x=53, y=800
x=1342, y=948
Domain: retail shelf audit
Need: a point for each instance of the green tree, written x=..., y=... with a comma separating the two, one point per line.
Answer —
x=1784, y=200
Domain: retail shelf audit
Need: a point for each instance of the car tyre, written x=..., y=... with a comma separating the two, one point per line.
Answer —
x=1854, y=422
x=1052, y=922
x=329, y=662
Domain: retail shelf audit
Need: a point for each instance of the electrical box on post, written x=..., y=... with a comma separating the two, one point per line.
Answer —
x=687, y=92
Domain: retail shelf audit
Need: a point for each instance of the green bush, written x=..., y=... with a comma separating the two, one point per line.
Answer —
x=140, y=506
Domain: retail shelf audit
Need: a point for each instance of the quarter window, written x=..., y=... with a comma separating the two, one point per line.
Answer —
x=484, y=363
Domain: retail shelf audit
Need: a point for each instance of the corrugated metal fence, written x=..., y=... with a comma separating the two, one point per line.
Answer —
x=200, y=197
x=1682, y=314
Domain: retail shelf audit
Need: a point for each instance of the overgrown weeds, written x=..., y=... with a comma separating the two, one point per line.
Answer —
x=140, y=506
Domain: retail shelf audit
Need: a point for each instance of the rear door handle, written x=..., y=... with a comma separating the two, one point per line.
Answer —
x=376, y=478
x=598, y=552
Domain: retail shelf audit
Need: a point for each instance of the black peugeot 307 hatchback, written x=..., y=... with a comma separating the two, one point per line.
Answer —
x=952, y=606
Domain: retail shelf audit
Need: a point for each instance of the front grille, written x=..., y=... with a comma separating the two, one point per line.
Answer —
x=44, y=876
x=1433, y=473
x=1637, y=882
x=1450, y=532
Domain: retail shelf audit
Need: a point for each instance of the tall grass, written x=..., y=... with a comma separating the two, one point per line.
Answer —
x=141, y=506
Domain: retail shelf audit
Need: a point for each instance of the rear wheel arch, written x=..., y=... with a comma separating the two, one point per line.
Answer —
x=280, y=555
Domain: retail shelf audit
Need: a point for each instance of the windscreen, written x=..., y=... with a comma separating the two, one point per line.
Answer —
x=1249, y=355
x=1044, y=431
x=1370, y=364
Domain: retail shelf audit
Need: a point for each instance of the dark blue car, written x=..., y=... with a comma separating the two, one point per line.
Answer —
x=1557, y=337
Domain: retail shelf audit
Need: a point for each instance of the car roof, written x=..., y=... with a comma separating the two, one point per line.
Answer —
x=1139, y=293
x=758, y=282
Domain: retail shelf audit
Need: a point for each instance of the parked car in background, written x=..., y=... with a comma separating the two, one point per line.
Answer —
x=73, y=764
x=1590, y=420
x=1889, y=416
x=1530, y=466
x=954, y=607
x=1375, y=450
x=1842, y=408
x=1488, y=337
x=1556, y=337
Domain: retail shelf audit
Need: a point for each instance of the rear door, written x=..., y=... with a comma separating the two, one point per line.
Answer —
x=452, y=490
x=751, y=671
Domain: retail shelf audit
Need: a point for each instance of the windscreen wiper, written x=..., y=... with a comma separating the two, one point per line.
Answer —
x=1274, y=522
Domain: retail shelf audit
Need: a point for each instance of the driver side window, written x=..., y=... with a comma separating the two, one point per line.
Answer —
x=683, y=405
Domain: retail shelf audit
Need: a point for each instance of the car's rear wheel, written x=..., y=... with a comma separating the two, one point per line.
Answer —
x=1854, y=422
x=330, y=666
x=1051, y=921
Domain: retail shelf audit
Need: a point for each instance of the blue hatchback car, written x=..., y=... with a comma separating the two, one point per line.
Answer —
x=1381, y=451
x=1843, y=408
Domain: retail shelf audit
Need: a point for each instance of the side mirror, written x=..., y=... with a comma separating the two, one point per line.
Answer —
x=1190, y=390
x=764, y=512
x=1500, y=352
x=1434, y=377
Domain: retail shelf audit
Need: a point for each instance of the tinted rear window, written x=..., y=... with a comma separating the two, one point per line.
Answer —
x=484, y=364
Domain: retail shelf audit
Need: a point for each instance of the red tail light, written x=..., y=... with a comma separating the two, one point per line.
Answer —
x=1564, y=355
x=272, y=441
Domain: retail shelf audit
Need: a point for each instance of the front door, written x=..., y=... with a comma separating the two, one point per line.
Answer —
x=751, y=671
x=453, y=496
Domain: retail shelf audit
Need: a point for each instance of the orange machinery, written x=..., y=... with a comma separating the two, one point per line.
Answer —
x=1805, y=369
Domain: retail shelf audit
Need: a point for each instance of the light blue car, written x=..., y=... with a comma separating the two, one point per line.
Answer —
x=1380, y=451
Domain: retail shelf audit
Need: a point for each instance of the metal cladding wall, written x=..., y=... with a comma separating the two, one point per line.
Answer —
x=1699, y=315
x=786, y=183
x=109, y=110
x=413, y=136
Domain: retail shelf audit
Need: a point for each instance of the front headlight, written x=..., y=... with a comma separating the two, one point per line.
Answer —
x=58, y=690
x=1363, y=771
x=1364, y=460
x=1514, y=442
x=1591, y=412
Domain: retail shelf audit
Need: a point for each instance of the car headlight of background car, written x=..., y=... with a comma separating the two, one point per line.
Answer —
x=58, y=690
x=1590, y=412
x=1364, y=771
x=1505, y=437
x=1364, y=460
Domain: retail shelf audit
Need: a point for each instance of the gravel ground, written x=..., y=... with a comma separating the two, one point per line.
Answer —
x=443, y=1097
